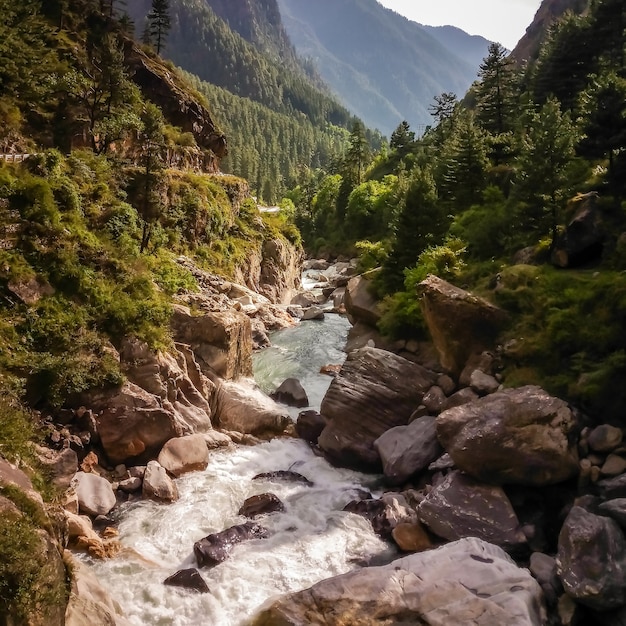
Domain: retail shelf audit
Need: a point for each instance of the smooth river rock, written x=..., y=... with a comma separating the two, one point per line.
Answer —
x=95, y=494
x=375, y=390
x=157, y=485
x=184, y=454
x=465, y=582
x=515, y=436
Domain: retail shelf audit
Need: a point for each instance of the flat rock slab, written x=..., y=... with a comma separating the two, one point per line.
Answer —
x=465, y=582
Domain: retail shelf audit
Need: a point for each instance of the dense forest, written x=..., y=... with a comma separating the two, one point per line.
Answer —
x=498, y=178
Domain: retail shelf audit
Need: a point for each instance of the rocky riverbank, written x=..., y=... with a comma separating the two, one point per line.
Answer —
x=509, y=503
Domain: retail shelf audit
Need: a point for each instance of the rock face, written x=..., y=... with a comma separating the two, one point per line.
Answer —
x=60, y=466
x=407, y=450
x=95, y=494
x=360, y=304
x=221, y=341
x=280, y=271
x=215, y=548
x=591, y=560
x=243, y=407
x=460, y=323
x=460, y=507
x=174, y=378
x=132, y=423
x=375, y=391
x=466, y=582
x=515, y=436
x=184, y=454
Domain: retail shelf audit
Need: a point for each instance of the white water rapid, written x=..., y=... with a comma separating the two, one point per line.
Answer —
x=311, y=540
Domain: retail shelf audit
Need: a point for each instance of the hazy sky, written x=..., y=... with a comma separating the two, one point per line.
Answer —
x=504, y=21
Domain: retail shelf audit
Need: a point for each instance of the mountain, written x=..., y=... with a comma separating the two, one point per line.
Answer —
x=383, y=66
x=548, y=13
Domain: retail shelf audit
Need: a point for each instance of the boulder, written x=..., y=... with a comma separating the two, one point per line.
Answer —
x=384, y=513
x=310, y=425
x=605, y=438
x=434, y=400
x=291, y=392
x=615, y=509
x=306, y=299
x=188, y=579
x=157, y=485
x=460, y=507
x=360, y=305
x=60, y=465
x=483, y=384
x=407, y=450
x=133, y=424
x=215, y=548
x=221, y=341
x=460, y=323
x=261, y=504
x=82, y=536
x=465, y=582
x=313, y=313
x=514, y=436
x=95, y=494
x=374, y=391
x=412, y=537
x=184, y=454
x=591, y=560
x=582, y=242
x=242, y=406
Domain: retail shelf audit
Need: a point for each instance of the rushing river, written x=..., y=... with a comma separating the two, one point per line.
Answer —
x=311, y=540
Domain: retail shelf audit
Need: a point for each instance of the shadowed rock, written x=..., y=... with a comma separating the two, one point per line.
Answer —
x=261, y=504
x=284, y=475
x=291, y=392
x=215, y=548
x=188, y=579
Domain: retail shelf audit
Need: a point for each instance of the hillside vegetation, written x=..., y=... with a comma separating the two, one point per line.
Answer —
x=485, y=199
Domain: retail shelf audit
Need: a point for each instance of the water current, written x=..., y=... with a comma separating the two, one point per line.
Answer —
x=311, y=540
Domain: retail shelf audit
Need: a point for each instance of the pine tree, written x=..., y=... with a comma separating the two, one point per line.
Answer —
x=159, y=23
x=402, y=138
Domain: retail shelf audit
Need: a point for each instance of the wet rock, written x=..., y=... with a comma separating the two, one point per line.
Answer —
x=543, y=568
x=291, y=392
x=157, y=485
x=307, y=299
x=95, y=494
x=184, y=454
x=375, y=391
x=483, y=384
x=434, y=400
x=384, y=513
x=591, y=560
x=615, y=509
x=412, y=537
x=313, y=313
x=130, y=485
x=188, y=579
x=310, y=425
x=283, y=475
x=242, y=406
x=469, y=581
x=407, y=450
x=459, y=398
x=515, y=436
x=260, y=505
x=215, y=548
x=460, y=507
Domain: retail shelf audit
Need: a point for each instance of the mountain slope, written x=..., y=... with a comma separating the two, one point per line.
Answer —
x=384, y=67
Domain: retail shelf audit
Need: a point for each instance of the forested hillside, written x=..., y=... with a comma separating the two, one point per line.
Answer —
x=518, y=191
x=384, y=67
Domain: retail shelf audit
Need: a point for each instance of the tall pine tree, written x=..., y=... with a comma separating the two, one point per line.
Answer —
x=159, y=23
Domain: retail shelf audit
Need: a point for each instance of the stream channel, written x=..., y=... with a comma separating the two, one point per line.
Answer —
x=311, y=540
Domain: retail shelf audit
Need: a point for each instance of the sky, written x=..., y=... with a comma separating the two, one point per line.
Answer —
x=504, y=21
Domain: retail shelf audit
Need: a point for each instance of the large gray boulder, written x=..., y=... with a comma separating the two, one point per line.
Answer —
x=374, y=391
x=465, y=582
x=515, y=436
x=591, y=560
x=460, y=507
x=360, y=304
x=408, y=450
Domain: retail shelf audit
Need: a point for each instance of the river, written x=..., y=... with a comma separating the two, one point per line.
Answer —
x=311, y=540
